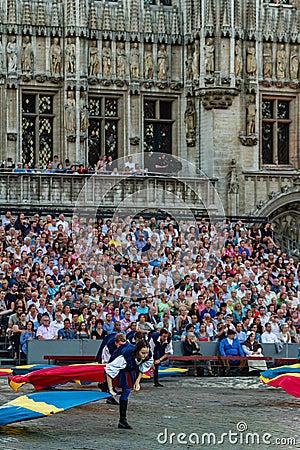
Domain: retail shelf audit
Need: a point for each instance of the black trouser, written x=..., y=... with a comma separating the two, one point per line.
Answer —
x=155, y=376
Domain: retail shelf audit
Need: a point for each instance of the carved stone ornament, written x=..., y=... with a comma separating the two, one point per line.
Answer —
x=93, y=80
x=148, y=84
x=71, y=138
x=162, y=85
x=217, y=98
x=134, y=140
x=119, y=82
x=190, y=142
x=12, y=136
x=106, y=82
x=248, y=141
x=26, y=77
x=175, y=85
x=296, y=180
x=41, y=78
x=55, y=79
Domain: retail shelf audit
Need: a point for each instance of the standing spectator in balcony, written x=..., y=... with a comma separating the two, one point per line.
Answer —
x=101, y=164
x=19, y=168
x=130, y=164
x=55, y=162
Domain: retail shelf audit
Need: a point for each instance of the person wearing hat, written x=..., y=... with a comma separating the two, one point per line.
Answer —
x=230, y=346
x=253, y=348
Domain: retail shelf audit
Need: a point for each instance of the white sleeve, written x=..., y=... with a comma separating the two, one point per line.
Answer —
x=146, y=365
x=169, y=348
x=113, y=368
x=247, y=351
x=105, y=355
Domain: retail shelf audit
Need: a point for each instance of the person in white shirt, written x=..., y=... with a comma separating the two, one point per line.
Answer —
x=130, y=164
x=57, y=324
x=62, y=222
x=268, y=337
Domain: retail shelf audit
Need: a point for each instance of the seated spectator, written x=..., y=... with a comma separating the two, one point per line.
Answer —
x=66, y=332
x=240, y=334
x=182, y=320
x=230, y=346
x=284, y=335
x=143, y=326
x=268, y=337
x=98, y=333
x=191, y=348
x=203, y=334
x=253, y=348
x=82, y=331
x=44, y=332
x=28, y=335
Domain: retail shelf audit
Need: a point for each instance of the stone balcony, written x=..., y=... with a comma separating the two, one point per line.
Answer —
x=268, y=190
x=27, y=191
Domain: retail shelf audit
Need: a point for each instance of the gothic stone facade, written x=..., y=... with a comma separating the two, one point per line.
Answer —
x=215, y=82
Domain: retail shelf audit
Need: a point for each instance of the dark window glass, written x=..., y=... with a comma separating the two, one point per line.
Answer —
x=103, y=128
x=283, y=143
x=165, y=110
x=37, y=129
x=267, y=109
x=267, y=143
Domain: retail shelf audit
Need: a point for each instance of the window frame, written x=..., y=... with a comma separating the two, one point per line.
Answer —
x=292, y=149
x=37, y=115
x=102, y=119
x=158, y=120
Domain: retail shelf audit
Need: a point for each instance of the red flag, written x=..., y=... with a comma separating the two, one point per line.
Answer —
x=44, y=378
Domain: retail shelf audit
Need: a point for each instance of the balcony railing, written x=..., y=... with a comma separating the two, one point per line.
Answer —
x=22, y=190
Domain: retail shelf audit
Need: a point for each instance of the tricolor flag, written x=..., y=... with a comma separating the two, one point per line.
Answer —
x=286, y=377
x=43, y=404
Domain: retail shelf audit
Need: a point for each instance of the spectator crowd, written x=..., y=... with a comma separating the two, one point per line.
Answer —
x=67, y=278
x=159, y=163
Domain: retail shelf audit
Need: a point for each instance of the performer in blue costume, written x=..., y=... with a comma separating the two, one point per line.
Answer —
x=125, y=370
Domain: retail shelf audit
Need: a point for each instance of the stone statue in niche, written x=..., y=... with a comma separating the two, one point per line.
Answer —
x=134, y=63
x=84, y=112
x=189, y=63
x=209, y=62
x=12, y=54
x=121, y=60
x=1, y=55
x=281, y=62
x=196, y=59
x=55, y=57
x=294, y=63
x=238, y=61
x=106, y=60
x=190, y=122
x=148, y=62
x=70, y=56
x=93, y=59
x=233, y=179
x=251, y=115
x=267, y=61
x=70, y=123
x=27, y=56
x=162, y=63
x=251, y=60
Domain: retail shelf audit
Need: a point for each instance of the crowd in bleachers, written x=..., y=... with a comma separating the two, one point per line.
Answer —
x=66, y=278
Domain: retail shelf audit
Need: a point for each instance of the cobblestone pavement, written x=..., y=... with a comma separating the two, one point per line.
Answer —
x=184, y=405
